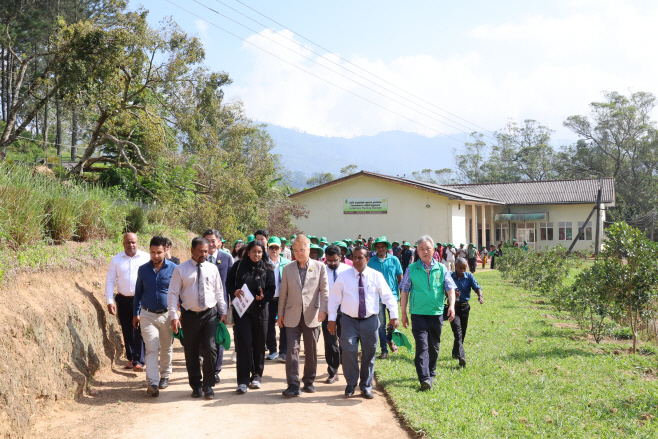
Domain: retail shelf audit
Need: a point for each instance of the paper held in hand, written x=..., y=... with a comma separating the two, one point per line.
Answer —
x=240, y=304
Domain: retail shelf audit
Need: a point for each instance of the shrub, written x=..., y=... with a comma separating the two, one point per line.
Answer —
x=135, y=220
x=62, y=215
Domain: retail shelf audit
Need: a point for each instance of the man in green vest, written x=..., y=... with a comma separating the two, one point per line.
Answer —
x=274, y=252
x=424, y=287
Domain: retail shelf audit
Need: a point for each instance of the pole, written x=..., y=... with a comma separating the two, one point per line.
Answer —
x=597, y=242
x=573, y=244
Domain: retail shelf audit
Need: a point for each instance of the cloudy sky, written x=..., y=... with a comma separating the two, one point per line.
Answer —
x=413, y=65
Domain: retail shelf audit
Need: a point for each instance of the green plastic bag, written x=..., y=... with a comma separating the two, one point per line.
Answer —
x=222, y=336
x=179, y=336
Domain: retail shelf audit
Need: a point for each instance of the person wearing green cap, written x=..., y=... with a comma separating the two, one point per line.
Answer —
x=472, y=257
x=424, y=288
x=406, y=255
x=450, y=256
x=285, y=251
x=324, y=243
x=462, y=252
x=525, y=246
x=343, y=253
x=389, y=266
x=396, y=248
x=316, y=252
x=274, y=246
x=314, y=240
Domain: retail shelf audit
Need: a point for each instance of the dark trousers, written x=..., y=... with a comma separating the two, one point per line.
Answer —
x=271, y=331
x=427, y=334
x=493, y=259
x=200, y=328
x=132, y=338
x=332, y=349
x=310, y=336
x=472, y=264
x=459, y=325
x=354, y=331
x=250, y=334
x=384, y=337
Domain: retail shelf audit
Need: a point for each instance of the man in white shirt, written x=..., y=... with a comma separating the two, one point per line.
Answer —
x=357, y=292
x=285, y=252
x=332, y=351
x=197, y=286
x=123, y=273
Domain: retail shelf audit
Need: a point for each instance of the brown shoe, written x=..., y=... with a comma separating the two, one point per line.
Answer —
x=383, y=356
x=138, y=368
x=129, y=365
x=393, y=347
x=332, y=379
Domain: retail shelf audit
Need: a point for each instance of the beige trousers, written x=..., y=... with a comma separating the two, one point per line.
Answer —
x=156, y=332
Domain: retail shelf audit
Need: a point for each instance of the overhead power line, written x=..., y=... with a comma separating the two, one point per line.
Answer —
x=340, y=74
x=360, y=68
x=316, y=76
x=345, y=68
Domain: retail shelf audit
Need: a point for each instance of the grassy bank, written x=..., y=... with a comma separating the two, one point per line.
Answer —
x=531, y=373
x=47, y=223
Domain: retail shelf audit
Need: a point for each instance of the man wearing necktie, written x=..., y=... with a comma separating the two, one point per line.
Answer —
x=197, y=286
x=223, y=261
x=332, y=350
x=357, y=292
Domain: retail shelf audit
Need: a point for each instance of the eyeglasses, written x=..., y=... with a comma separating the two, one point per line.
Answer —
x=274, y=247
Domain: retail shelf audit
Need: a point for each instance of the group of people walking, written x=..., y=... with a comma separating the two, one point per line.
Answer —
x=343, y=289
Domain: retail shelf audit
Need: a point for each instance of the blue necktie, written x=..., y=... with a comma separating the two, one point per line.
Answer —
x=362, y=298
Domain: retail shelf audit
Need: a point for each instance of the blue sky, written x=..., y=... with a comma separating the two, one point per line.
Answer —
x=484, y=61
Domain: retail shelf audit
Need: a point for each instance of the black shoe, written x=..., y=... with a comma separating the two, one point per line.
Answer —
x=462, y=362
x=153, y=390
x=309, y=388
x=367, y=394
x=164, y=383
x=216, y=378
x=426, y=385
x=208, y=392
x=349, y=390
x=196, y=393
x=292, y=391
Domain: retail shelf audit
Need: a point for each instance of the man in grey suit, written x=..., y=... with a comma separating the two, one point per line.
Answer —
x=303, y=301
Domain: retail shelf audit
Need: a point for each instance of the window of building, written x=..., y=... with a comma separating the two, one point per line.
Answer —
x=587, y=232
x=502, y=232
x=546, y=231
x=565, y=231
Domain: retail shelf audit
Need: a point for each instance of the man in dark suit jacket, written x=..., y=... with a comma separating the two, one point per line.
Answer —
x=223, y=261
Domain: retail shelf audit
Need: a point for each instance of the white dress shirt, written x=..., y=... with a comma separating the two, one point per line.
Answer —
x=286, y=253
x=331, y=273
x=184, y=285
x=123, y=273
x=277, y=276
x=345, y=293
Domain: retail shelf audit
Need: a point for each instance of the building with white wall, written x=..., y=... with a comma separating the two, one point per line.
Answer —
x=545, y=213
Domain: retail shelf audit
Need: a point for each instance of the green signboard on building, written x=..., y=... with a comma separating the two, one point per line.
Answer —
x=365, y=205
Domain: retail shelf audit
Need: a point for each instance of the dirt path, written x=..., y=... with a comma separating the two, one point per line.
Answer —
x=122, y=409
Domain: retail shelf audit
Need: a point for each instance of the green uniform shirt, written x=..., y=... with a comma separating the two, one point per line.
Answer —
x=427, y=296
x=472, y=253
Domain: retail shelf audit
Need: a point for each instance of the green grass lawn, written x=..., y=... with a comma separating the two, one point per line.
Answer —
x=530, y=373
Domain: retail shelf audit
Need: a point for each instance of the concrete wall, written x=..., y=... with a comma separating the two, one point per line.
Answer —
x=408, y=218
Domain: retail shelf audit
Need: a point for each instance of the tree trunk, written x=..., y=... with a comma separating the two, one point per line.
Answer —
x=45, y=129
x=74, y=133
x=3, y=81
x=58, y=140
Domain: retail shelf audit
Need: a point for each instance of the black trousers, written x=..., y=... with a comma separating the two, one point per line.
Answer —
x=132, y=338
x=472, y=264
x=197, y=327
x=493, y=262
x=250, y=334
x=332, y=350
x=271, y=331
x=459, y=326
x=427, y=334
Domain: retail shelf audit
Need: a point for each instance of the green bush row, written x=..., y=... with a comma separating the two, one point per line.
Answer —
x=35, y=207
x=620, y=288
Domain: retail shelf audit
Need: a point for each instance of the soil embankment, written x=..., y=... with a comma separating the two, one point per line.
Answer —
x=55, y=335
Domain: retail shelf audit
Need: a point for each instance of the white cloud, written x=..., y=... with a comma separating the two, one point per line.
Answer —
x=544, y=68
x=201, y=26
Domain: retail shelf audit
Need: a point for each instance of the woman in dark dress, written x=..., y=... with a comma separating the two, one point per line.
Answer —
x=250, y=330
